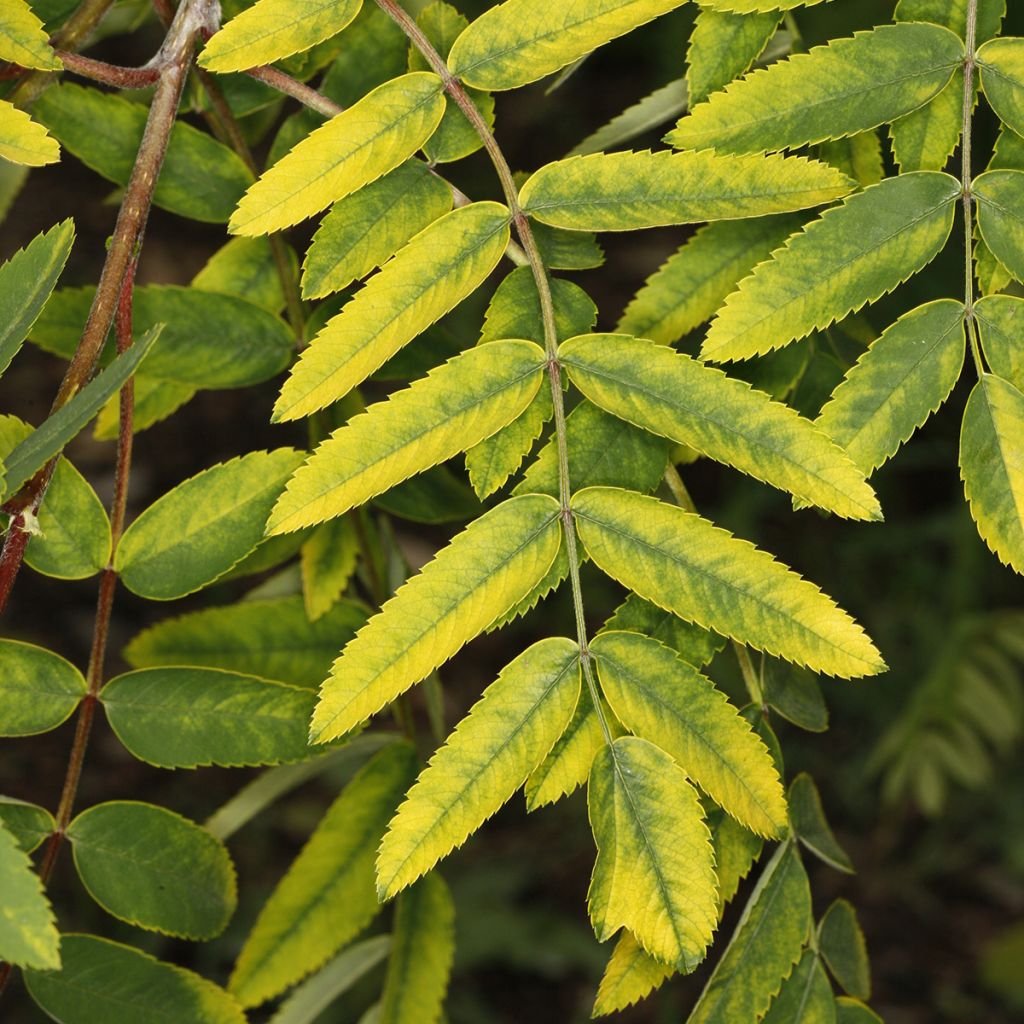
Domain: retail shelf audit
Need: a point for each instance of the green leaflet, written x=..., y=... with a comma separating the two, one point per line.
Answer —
x=811, y=827
x=796, y=696
x=23, y=39
x=805, y=997
x=72, y=111
x=437, y=495
x=691, y=285
x=24, y=141
x=453, y=408
x=351, y=150
x=999, y=195
x=203, y=527
x=327, y=896
x=519, y=41
x=422, y=954
x=245, y=267
x=272, y=29
x=853, y=254
x=925, y=139
x=74, y=532
x=840, y=89
x=308, y=1000
x=953, y=14
x=753, y=6
x=842, y=945
x=654, y=874
x=992, y=466
x=695, y=645
x=690, y=403
x=1002, y=77
x=723, y=46
x=657, y=695
x=28, y=823
x=426, y=279
x=1000, y=320
x=631, y=975
x=702, y=573
x=853, y=1011
x=365, y=229
x=653, y=111
x=328, y=561
x=491, y=753
x=49, y=438
x=766, y=943
x=736, y=850
x=903, y=377
x=28, y=932
x=857, y=156
x=26, y=281
x=190, y=717
x=38, y=689
x=273, y=639
x=626, y=191
x=155, y=400
x=100, y=980
x=154, y=869
x=480, y=575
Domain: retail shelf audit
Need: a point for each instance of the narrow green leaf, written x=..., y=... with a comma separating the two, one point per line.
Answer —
x=657, y=695
x=24, y=141
x=1001, y=63
x=680, y=398
x=422, y=954
x=479, y=576
x=351, y=150
x=26, y=281
x=809, y=824
x=204, y=526
x=102, y=981
x=153, y=868
x=519, y=41
x=694, y=644
x=842, y=945
x=28, y=930
x=846, y=87
x=654, y=874
x=48, y=439
x=853, y=254
x=38, y=689
x=992, y=466
x=453, y=408
x=190, y=717
x=364, y=230
x=894, y=387
x=327, y=897
x=805, y=997
x=999, y=195
x=491, y=753
x=631, y=975
x=704, y=574
x=723, y=46
x=626, y=191
x=1000, y=320
x=23, y=39
x=71, y=113
x=796, y=696
x=272, y=29
x=766, y=943
x=653, y=111
x=328, y=561
x=426, y=279
x=691, y=285
x=28, y=823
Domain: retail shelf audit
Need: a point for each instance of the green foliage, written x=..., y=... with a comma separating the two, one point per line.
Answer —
x=843, y=948
x=28, y=932
x=38, y=689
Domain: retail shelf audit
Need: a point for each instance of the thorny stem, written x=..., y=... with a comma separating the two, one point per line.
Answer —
x=173, y=60
x=966, y=183
x=457, y=92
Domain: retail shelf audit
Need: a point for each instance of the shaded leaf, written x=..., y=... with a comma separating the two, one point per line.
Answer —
x=842, y=945
x=807, y=818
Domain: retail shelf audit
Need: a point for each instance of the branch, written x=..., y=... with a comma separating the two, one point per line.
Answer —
x=966, y=184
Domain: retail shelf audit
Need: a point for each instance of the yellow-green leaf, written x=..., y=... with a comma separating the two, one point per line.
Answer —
x=657, y=695
x=805, y=996
x=354, y=148
x=1000, y=195
x=853, y=254
x=272, y=29
x=655, y=870
x=1001, y=63
x=519, y=41
x=38, y=689
x=631, y=975
x=491, y=753
x=992, y=466
x=702, y=573
x=680, y=398
x=626, y=191
x=426, y=279
x=925, y=139
x=451, y=409
x=1000, y=320
x=723, y=46
x=24, y=141
x=480, y=575
x=28, y=932
x=23, y=39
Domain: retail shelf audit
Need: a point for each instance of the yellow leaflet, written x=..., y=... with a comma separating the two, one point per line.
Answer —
x=24, y=141
x=23, y=38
